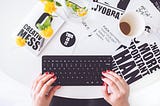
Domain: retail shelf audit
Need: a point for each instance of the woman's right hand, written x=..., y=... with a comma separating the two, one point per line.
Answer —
x=42, y=92
x=119, y=93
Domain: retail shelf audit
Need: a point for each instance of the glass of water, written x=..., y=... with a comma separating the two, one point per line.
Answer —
x=76, y=10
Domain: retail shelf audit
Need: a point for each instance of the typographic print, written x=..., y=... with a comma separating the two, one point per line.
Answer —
x=156, y=3
x=108, y=9
x=123, y=4
x=137, y=60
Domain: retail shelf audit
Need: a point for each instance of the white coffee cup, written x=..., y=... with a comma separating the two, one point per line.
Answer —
x=131, y=24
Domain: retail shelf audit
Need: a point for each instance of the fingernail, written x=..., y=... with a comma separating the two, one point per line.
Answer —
x=102, y=77
x=54, y=77
x=103, y=84
x=103, y=72
x=46, y=73
x=108, y=71
x=52, y=73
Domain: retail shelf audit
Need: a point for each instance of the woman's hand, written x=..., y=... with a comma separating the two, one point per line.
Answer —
x=42, y=92
x=119, y=89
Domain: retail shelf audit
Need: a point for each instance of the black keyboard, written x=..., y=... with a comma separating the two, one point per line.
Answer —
x=77, y=70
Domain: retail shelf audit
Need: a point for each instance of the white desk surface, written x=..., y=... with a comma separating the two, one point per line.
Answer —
x=14, y=61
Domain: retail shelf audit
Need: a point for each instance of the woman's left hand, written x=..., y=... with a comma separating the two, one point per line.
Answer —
x=42, y=92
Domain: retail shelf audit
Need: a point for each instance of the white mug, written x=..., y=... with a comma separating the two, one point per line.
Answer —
x=131, y=24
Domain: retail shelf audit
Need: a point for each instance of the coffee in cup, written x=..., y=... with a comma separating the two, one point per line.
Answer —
x=131, y=24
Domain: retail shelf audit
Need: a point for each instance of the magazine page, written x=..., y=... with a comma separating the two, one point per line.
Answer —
x=143, y=51
x=38, y=28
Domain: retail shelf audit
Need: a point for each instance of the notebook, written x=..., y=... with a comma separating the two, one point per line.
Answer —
x=30, y=33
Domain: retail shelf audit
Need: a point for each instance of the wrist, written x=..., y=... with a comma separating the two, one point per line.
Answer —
x=127, y=104
x=122, y=104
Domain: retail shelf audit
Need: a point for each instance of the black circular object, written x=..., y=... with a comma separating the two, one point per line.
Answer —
x=68, y=39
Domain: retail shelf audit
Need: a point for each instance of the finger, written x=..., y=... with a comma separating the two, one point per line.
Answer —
x=119, y=77
x=52, y=91
x=111, y=84
x=105, y=93
x=47, y=86
x=36, y=81
x=114, y=79
x=125, y=86
x=42, y=82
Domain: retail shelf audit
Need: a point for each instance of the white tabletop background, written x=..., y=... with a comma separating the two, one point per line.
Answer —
x=16, y=77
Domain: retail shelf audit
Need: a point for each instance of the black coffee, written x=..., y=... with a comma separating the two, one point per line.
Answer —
x=125, y=28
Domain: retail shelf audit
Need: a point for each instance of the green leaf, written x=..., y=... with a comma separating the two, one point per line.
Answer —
x=40, y=27
x=74, y=7
x=47, y=22
x=58, y=4
x=67, y=2
x=51, y=0
x=84, y=8
x=45, y=25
